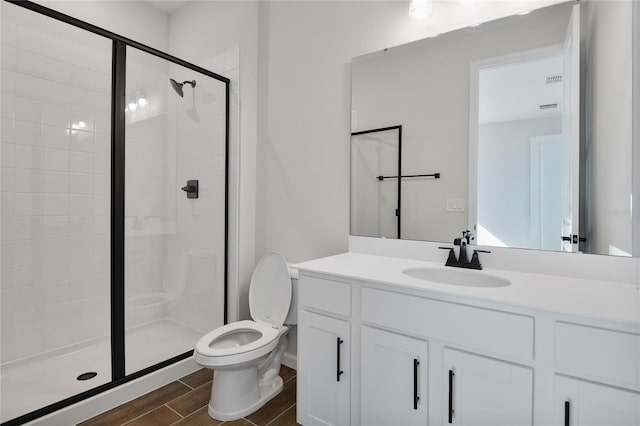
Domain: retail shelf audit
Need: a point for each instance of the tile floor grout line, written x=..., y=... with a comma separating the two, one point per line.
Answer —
x=154, y=408
x=181, y=416
x=190, y=389
x=137, y=417
x=281, y=414
x=180, y=380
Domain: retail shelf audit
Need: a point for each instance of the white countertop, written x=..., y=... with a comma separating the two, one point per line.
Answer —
x=571, y=296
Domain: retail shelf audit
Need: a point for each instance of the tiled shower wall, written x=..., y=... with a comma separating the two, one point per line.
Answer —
x=55, y=185
x=149, y=169
x=194, y=266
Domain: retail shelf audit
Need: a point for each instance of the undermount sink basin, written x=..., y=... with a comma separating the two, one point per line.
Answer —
x=460, y=277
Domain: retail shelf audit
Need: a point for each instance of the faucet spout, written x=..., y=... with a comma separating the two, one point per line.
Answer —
x=462, y=252
x=462, y=242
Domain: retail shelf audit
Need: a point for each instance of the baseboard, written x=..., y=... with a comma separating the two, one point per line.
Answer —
x=290, y=360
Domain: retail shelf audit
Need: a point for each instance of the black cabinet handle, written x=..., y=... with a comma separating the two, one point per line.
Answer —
x=451, y=374
x=567, y=410
x=416, y=398
x=338, y=371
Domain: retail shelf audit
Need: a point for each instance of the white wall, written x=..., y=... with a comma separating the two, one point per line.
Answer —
x=133, y=19
x=608, y=133
x=200, y=31
x=304, y=102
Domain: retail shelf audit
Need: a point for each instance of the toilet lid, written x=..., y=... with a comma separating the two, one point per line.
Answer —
x=270, y=290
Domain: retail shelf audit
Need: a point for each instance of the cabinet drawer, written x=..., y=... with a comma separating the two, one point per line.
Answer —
x=326, y=295
x=598, y=354
x=493, y=331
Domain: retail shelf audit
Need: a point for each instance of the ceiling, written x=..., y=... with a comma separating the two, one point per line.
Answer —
x=515, y=91
x=167, y=6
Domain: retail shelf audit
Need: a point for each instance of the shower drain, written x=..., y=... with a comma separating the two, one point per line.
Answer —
x=87, y=376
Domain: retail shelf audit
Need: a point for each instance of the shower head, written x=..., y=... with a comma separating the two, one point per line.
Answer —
x=178, y=86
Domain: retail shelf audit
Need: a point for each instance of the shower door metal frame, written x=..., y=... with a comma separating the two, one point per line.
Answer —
x=117, y=264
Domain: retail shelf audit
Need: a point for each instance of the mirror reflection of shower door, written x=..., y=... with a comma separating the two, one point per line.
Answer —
x=174, y=245
x=375, y=203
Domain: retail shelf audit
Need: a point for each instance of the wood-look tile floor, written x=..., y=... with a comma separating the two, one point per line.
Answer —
x=184, y=403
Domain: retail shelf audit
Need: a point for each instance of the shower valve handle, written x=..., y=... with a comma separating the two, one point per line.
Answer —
x=191, y=189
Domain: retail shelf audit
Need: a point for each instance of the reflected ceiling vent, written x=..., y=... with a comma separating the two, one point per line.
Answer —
x=549, y=106
x=552, y=79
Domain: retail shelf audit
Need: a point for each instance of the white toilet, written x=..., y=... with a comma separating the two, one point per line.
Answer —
x=246, y=355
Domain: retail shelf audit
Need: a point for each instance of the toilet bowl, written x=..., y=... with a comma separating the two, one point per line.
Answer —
x=246, y=355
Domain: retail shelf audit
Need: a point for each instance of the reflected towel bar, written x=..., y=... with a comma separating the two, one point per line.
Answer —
x=433, y=175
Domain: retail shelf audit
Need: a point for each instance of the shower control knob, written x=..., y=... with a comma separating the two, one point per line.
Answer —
x=191, y=189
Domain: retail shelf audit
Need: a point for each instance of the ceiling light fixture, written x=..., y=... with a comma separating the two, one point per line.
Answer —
x=420, y=9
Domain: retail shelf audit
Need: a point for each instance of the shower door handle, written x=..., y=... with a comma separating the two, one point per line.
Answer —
x=191, y=189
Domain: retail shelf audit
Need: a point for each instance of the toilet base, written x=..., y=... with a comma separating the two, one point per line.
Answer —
x=236, y=401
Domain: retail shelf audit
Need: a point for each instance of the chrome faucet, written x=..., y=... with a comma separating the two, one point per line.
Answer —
x=462, y=260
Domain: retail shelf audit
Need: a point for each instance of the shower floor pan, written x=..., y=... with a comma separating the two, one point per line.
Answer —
x=28, y=385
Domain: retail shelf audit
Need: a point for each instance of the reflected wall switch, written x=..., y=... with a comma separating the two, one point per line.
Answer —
x=455, y=204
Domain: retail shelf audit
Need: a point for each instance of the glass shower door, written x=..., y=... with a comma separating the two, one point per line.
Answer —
x=55, y=138
x=375, y=170
x=174, y=208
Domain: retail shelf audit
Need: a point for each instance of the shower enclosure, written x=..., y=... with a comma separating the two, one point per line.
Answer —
x=113, y=210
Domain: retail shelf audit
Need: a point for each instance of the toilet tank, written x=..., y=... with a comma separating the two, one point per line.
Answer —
x=292, y=316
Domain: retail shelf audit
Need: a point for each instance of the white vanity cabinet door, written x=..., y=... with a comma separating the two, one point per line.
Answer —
x=324, y=350
x=484, y=391
x=580, y=403
x=394, y=379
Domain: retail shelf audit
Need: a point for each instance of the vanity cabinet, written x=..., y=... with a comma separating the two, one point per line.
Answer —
x=415, y=355
x=393, y=379
x=324, y=381
x=485, y=391
x=582, y=403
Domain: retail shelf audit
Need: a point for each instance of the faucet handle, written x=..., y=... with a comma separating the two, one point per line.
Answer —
x=475, y=259
x=451, y=259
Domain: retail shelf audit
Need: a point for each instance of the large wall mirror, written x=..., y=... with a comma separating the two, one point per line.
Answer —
x=519, y=130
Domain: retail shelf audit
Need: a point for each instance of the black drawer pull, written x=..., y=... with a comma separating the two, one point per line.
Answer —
x=567, y=410
x=416, y=398
x=451, y=374
x=338, y=371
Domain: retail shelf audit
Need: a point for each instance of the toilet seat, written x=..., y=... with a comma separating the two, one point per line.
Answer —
x=208, y=356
